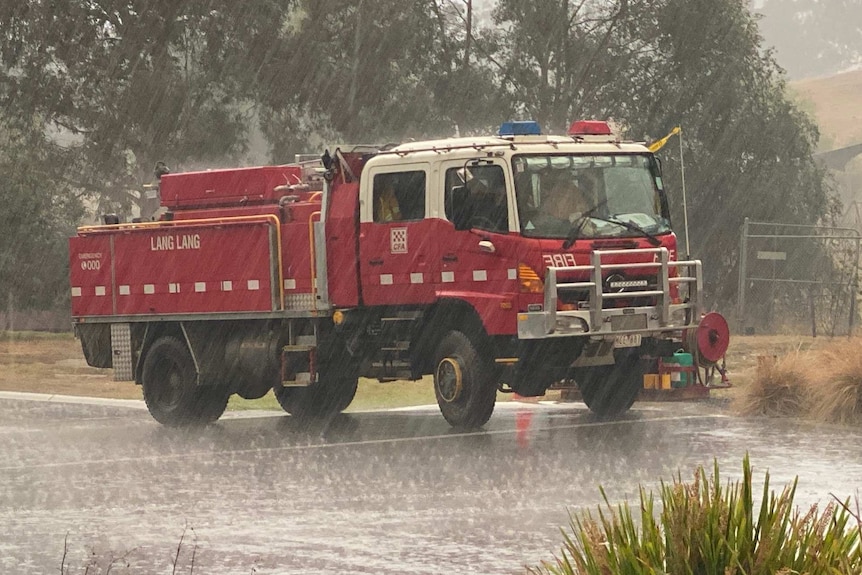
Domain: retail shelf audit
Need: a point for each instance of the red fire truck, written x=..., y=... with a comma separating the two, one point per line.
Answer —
x=507, y=262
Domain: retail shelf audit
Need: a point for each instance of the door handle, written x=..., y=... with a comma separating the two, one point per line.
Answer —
x=377, y=262
x=450, y=258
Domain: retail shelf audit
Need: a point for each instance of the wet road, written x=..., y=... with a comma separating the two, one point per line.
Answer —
x=387, y=492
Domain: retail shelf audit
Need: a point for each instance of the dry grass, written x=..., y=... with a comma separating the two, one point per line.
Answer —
x=823, y=384
x=779, y=388
x=837, y=387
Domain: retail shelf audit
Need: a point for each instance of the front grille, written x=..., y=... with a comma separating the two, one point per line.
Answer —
x=578, y=296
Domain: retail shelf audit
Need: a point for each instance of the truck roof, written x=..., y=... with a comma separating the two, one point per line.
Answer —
x=544, y=144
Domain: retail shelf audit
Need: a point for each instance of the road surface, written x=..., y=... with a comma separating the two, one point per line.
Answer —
x=380, y=492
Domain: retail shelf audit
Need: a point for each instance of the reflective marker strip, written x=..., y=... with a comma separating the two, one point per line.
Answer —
x=417, y=278
x=447, y=277
x=513, y=274
x=100, y=290
x=386, y=279
x=149, y=289
x=289, y=284
x=125, y=290
x=253, y=285
x=200, y=286
x=480, y=275
x=227, y=285
x=174, y=288
x=76, y=292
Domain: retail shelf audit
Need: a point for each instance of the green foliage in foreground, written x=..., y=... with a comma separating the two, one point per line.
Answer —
x=706, y=529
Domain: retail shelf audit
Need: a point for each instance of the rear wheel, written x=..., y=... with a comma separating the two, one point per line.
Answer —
x=332, y=393
x=170, y=387
x=610, y=390
x=211, y=403
x=325, y=397
x=464, y=382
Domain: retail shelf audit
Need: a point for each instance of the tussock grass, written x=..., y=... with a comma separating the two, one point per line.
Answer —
x=837, y=385
x=823, y=385
x=779, y=387
x=706, y=528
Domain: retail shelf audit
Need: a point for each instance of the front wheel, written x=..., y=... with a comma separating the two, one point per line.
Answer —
x=464, y=382
x=610, y=390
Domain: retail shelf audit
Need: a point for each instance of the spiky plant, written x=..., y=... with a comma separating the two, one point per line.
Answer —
x=705, y=528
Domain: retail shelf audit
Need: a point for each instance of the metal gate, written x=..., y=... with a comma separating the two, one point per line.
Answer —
x=797, y=279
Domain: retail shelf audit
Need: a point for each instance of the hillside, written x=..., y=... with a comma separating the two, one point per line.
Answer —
x=836, y=103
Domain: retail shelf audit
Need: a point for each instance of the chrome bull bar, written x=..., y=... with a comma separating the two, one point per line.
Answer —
x=595, y=320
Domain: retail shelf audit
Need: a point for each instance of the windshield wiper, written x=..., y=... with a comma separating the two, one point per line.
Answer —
x=578, y=224
x=632, y=227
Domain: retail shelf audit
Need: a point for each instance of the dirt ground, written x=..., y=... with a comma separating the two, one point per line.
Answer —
x=53, y=363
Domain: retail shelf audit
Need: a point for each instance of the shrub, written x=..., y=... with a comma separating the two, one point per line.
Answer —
x=779, y=388
x=836, y=384
x=706, y=529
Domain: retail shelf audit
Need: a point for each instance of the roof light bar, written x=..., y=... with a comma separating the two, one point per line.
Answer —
x=589, y=128
x=520, y=128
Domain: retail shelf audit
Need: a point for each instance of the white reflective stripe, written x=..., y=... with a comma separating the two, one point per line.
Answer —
x=227, y=285
x=76, y=292
x=200, y=286
x=289, y=284
x=253, y=285
x=124, y=290
x=480, y=275
x=417, y=278
x=513, y=274
x=386, y=279
x=100, y=290
x=149, y=289
x=447, y=277
x=174, y=288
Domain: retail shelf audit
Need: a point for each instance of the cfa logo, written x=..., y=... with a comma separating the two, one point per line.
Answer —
x=398, y=241
x=559, y=260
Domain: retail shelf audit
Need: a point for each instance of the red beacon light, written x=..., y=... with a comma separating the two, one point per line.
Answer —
x=589, y=128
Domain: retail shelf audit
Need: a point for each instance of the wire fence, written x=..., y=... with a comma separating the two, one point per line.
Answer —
x=797, y=279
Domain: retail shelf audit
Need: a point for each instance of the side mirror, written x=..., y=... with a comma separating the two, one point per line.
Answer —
x=459, y=200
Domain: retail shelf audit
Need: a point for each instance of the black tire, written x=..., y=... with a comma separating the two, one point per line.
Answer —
x=170, y=387
x=321, y=399
x=464, y=382
x=610, y=390
x=211, y=403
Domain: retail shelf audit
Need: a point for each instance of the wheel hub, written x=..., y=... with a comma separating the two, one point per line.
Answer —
x=449, y=379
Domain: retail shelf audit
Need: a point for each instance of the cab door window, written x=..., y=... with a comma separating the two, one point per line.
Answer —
x=399, y=196
x=480, y=192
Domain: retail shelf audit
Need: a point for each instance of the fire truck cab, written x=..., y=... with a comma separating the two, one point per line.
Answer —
x=497, y=263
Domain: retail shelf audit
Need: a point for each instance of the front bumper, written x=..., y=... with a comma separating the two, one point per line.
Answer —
x=593, y=319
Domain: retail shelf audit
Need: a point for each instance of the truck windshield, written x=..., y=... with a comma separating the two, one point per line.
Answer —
x=589, y=192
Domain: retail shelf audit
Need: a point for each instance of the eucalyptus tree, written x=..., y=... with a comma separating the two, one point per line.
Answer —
x=699, y=64
x=126, y=83
x=364, y=71
x=38, y=214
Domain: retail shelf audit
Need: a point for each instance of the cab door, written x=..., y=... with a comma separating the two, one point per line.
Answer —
x=478, y=248
x=395, y=236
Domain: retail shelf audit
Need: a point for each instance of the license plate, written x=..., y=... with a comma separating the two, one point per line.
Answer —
x=627, y=340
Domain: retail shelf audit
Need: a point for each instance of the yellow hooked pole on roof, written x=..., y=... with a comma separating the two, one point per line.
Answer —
x=655, y=147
